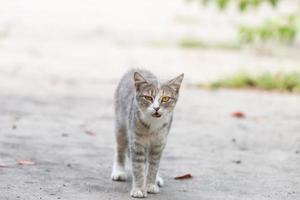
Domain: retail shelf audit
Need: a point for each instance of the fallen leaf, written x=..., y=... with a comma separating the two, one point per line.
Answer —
x=238, y=114
x=4, y=165
x=25, y=162
x=89, y=132
x=186, y=176
x=65, y=134
x=237, y=161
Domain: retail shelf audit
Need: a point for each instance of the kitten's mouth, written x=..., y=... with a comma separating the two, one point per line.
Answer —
x=156, y=114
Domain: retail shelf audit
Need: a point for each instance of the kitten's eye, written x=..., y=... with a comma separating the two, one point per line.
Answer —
x=165, y=99
x=149, y=98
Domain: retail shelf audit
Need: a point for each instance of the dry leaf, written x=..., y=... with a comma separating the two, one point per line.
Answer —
x=238, y=114
x=25, y=162
x=89, y=132
x=237, y=161
x=186, y=176
x=65, y=135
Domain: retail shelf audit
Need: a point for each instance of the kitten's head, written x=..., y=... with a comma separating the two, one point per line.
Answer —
x=156, y=100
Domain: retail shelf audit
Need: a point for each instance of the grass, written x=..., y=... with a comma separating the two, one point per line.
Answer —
x=192, y=43
x=286, y=82
x=4, y=34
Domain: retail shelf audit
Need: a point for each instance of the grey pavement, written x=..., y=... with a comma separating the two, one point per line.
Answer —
x=255, y=158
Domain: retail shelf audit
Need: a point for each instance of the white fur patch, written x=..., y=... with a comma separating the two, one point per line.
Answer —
x=155, y=123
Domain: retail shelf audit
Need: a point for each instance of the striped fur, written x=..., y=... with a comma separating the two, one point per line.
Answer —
x=142, y=124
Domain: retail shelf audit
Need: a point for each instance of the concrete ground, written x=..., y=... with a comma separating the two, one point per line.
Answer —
x=252, y=158
x=59, y=66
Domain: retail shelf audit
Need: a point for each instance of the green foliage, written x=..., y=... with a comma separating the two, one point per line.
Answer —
x=193, y=43
x=238, y=80
x=283, y=31
x=242, y=5
x=289, y=82
x=4, y=34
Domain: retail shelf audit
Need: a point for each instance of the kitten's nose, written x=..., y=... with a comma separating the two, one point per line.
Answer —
x=156, y=108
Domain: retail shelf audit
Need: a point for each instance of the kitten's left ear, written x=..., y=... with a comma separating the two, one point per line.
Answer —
x=176, y=82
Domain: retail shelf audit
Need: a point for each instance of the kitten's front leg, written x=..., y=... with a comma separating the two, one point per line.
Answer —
x=153, y=165
x=138, y=158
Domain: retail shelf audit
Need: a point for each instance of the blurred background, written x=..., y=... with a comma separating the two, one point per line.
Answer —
x=44, y=42
x=60, y=62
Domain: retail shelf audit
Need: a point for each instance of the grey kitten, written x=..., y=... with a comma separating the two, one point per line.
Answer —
x=144, y=111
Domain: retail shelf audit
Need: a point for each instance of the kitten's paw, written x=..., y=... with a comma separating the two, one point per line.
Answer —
x=118, y=175
x=138, y=193
x=160, y=181
x=152, y=188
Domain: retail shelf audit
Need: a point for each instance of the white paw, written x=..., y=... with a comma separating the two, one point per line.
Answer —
x=117, y=175
x=152, y=188
x=160, y=181
x=138, y=193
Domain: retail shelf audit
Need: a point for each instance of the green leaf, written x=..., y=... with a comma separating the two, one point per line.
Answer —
x=243, y=4
x=273, y=2
x=222, y=4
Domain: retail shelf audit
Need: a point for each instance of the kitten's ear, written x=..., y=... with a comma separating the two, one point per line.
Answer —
x=176, y=82
x=138, y=80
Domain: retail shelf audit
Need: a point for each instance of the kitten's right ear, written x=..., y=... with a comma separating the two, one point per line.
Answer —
x=139, y=80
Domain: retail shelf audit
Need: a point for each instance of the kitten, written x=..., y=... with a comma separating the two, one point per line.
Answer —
x=144, y=110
